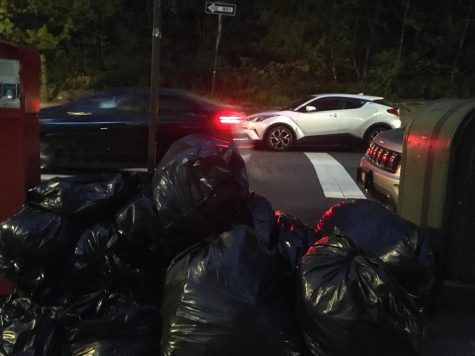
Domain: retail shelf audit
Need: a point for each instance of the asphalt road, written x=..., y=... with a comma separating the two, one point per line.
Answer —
x=292, y=181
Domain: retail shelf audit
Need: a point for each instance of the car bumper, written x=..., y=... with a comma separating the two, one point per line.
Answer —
x=384, y=185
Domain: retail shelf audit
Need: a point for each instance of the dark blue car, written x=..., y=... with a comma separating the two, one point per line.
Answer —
x=109, y=129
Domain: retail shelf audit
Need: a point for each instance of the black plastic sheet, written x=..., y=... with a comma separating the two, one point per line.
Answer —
x=199, y=185
x=401, y=245
x=228, y=295
x=350, y=305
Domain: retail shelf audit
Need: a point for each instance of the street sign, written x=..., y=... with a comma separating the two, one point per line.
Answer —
x=219, y=8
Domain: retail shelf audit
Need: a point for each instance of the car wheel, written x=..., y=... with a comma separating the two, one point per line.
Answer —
x=279, y=138
x=371, y=134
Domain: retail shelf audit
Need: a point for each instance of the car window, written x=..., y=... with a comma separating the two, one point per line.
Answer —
x=173, y=103
x=134, y=105
x=298, y=103
x=92, y=106
x=351, y=103
x=325, y=104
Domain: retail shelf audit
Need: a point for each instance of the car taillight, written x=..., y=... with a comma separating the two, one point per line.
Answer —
x=229, y=121
x=384, y=158
x=393, y=111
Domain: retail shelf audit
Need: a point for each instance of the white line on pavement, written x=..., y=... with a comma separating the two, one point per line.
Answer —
x=334, y=179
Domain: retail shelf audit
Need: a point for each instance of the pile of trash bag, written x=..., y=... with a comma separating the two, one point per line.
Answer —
x=72, y=253
x=350, y=304
x=402, y=246
x=229, y=293
x=190, y=262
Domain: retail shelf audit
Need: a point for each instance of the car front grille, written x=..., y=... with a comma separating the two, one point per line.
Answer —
x=383, y=158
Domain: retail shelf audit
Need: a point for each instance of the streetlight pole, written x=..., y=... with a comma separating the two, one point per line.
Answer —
x=154, y=88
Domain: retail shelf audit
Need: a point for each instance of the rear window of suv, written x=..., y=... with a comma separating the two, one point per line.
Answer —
x=351, y=103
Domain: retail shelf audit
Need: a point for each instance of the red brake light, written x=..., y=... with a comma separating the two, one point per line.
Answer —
x=229, y=120
x=393, y=111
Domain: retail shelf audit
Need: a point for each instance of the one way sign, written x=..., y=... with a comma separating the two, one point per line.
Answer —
x=218, y=8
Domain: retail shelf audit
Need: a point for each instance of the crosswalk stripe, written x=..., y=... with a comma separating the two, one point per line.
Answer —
x=334, y=179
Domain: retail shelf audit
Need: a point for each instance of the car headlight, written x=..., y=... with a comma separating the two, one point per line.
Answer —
x=261, y=117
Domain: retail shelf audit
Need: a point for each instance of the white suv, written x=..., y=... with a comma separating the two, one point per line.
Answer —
x=380, y=167
x=324, y=119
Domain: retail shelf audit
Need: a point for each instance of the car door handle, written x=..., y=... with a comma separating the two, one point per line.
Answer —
x=79, y=113
x=104, y=128
x=333, y=115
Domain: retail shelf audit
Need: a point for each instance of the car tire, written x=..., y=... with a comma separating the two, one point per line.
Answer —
x=279, y=138
x=371, y=134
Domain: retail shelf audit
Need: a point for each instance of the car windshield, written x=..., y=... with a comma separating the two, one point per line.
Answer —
x=298, y=103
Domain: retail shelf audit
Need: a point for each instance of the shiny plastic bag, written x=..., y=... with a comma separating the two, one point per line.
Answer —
x=94, y=196
x=292, y=238
x=401, y=245
x=281, y=233
x=199, y=185
x=105, y=313
x=34, y=247
x=349, y=304
x=29, y=329
x=140, y=233
x=138, y=223
x=228, y=295
x=95, y=263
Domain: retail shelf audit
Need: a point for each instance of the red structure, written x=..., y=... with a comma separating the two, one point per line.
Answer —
x=19, y=127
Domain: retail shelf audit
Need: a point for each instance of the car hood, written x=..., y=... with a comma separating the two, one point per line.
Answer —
x=391, y=139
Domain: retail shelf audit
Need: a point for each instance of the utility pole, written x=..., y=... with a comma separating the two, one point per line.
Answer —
x=154, y=88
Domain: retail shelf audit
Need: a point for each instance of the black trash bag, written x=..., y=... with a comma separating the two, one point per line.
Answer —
x=94, y=196
x=33, y=244
x=95, y=263
x=292, y=238
x=29, y=329
x=139, y=230
x=199, y=185
x=258, y=214
x=111, y=323
x=401, y=245
x=117, y=346
x=349, y=304
x=228, y=295
x=281, y=233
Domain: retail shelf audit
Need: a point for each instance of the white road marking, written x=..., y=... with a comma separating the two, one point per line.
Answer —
x=334, y=179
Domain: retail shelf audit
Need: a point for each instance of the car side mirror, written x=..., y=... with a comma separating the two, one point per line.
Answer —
x=310, y=108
